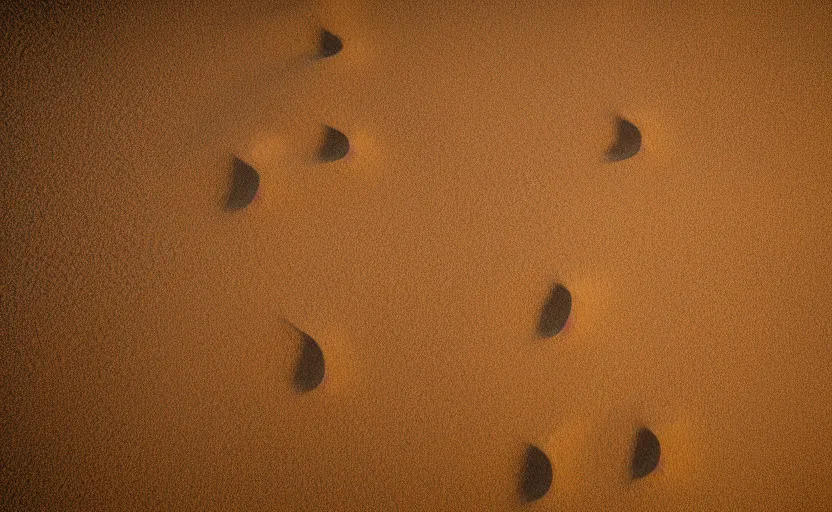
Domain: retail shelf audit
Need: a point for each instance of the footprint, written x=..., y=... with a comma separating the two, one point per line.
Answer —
x=627, y=143
x=309, y=372
x=329, y=44
x=537, y=475
x=646, y=454
x=245, y=182
x=555, y=313
x=335, y=145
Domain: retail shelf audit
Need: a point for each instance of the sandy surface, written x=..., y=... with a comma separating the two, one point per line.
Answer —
x=150, y=335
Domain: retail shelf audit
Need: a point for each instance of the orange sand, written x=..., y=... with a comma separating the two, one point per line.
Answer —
x=147, y=333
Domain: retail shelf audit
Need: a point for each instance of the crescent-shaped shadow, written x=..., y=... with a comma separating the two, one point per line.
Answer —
x=329, y=44
x=627, y=142
x=537, y=475
x=335, y=145
x=555, y=312
x=245, y=182
x=646, y=454
x=309, y=371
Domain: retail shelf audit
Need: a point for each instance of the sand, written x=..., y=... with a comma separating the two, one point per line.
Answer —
x=151, y=334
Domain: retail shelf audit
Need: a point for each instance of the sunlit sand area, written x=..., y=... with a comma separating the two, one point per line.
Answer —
x=337, y=256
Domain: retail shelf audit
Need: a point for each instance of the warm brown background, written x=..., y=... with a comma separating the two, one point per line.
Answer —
x=148, y=344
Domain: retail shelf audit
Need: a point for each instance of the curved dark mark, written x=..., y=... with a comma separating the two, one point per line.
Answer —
x=537, y=475
x=627, y=143
x=245, y=181
x=335, y=145
x=555, y=312
x=646, y=454
x=309, y=372
x=329, y=44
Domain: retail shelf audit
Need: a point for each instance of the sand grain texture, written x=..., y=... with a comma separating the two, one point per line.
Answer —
x=150, y=335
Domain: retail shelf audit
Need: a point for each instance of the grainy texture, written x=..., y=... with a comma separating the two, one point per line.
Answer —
x=148, y=339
